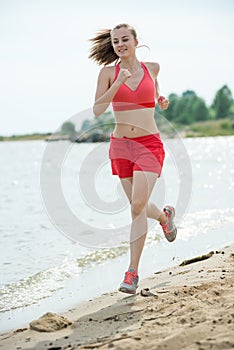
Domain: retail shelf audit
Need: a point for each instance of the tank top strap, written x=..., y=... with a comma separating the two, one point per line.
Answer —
x=145, y=68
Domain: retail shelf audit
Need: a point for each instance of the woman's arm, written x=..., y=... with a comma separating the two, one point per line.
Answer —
x=162, y=101
x=105, y=91
x=155, y=70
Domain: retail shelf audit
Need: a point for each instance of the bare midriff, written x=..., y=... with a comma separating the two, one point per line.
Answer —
x=135, y=123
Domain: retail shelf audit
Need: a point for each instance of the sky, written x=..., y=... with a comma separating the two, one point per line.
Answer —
x=46, y=76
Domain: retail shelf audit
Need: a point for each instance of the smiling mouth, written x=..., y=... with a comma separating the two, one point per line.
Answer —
x=122, y=50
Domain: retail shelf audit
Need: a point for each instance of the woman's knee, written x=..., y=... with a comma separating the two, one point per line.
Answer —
x=137, y=207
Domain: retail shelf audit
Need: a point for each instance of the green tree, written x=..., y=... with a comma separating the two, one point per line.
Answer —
x=86, y=124
x=189, y=94
x=104, y=123
x=186, y=109
x=223, y=102
x=199, y=110
x=68, y=128
x=170, y=112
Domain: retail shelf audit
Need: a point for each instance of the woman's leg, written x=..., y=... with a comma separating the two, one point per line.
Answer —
x=153, y=212
x=165, y=218
x=138, y=190
x=142, y=186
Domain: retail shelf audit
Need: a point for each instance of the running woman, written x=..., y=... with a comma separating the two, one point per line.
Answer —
x=136, y=149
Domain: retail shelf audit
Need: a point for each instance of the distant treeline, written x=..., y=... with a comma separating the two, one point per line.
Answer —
x=189, y=108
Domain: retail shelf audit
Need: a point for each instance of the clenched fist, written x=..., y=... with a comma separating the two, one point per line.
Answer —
x=163, y=102
x=124, y=74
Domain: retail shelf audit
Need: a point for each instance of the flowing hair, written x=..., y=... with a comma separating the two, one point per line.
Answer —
x=102, y=51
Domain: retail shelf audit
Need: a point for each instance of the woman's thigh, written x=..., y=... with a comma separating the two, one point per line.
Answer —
x=142, y=186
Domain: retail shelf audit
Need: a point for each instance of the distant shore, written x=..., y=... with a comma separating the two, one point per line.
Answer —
x=26, y=137
x=222, y=127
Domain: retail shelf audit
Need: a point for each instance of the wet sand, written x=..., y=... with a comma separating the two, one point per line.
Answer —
x=185, y=307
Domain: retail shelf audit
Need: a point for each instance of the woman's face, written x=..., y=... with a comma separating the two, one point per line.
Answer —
x=123, y=42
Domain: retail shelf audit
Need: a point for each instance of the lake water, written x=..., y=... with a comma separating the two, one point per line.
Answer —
x=64, y=220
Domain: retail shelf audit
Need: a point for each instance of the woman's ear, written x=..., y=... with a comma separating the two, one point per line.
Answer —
x=136, y=42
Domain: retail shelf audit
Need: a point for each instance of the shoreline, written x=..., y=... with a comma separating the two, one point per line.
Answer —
x=191, y=307
x=206, y=128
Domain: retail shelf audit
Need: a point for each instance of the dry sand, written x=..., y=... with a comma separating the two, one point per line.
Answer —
x=188, y=307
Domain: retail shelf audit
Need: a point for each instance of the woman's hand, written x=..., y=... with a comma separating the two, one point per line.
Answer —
x=163, y=102
x=123, y=76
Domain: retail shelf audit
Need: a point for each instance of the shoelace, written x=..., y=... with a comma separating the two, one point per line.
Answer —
x=129, y=277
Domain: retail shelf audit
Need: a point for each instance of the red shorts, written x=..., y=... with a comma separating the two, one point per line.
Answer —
x=144, y=153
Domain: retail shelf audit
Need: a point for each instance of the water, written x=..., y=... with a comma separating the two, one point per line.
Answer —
x=48, y=264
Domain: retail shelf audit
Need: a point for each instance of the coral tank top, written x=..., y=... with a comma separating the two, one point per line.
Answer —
x=142, y=97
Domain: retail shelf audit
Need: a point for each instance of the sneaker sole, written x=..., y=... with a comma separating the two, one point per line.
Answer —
x=125, y=290
x=171, y=236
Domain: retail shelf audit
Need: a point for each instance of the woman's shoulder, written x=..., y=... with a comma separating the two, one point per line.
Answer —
x=153, y=67
x=107, y=73
x=108, y=69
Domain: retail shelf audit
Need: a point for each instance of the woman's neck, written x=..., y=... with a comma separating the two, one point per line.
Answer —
x=132, y=65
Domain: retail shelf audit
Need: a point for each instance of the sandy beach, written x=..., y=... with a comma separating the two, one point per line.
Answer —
x=190, y=306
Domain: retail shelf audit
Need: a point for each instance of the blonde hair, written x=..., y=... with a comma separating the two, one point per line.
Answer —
x=102, y=51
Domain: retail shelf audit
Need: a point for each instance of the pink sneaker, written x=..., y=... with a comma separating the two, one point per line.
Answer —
x=130, y=283
x=169, y=228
